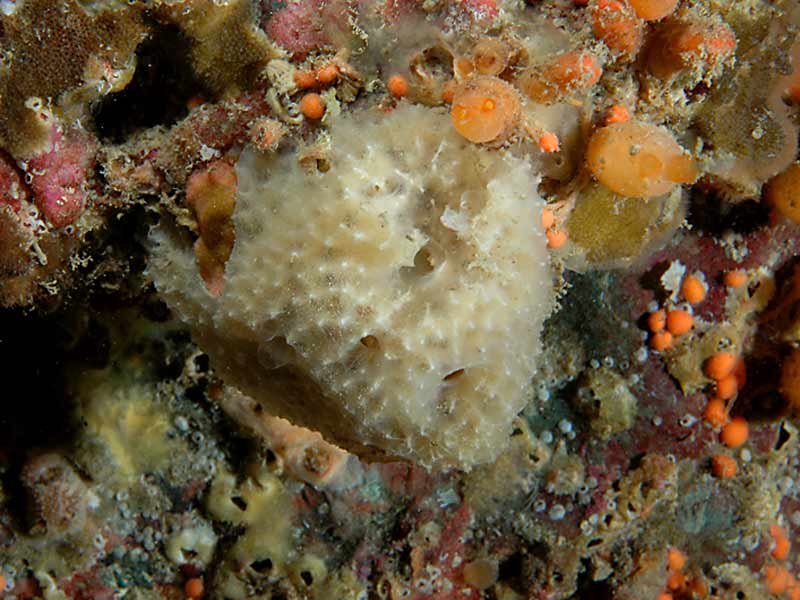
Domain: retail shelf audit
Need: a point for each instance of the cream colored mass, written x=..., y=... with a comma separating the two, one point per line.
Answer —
x=394, y=302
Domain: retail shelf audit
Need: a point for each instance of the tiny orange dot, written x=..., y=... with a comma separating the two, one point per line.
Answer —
x=720, y=365
x=549, y=142
x=693, y=290
x=488, y=105
x=548, y=218
x=723, y=466
x=312, y=106
x=657, y=320
x=661, y=341
x=617, y=114
x=194, y=588
x=556, y=238
x=734, y=278
x=735, y=433
x=679, y=322
x=727, y=387
x=715, y=413
x=664, y=596
x=328, y=74
x=398, y=86
x=676, y=559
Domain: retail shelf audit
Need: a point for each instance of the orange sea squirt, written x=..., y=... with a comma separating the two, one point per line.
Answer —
x=637, y=159
x=485, y=109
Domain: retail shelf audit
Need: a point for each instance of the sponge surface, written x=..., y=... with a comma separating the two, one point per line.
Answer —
x=394, y=302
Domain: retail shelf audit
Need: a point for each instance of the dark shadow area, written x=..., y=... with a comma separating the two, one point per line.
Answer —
x=711, y=214
x=158, y=94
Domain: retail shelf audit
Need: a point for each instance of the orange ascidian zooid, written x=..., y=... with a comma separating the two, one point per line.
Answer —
x=638, y=160
x=397, y=86
x=312, y=106
x=735, y=433
x=679, y=322
x=566, y=73
x=693, y=289
x=485, y=109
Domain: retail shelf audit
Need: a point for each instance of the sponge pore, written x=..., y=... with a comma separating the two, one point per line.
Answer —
x=394, y=302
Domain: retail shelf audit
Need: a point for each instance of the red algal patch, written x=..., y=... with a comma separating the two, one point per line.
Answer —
x=299, y=26
x=58, y=176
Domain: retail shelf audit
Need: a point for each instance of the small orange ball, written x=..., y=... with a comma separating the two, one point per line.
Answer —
x=664, y=596
x=657, y=321
x=676, y=559
x=304, y=79
x=727, y=387
x=715, y=413
x=328, y=74
x=617, y=114
x=778, y=579
x=735, y=433
x=782, y=543
x=734, y=278
x=693, y=290
x=781, y=549
x=549, y=142
x=312, y=106
x=720, y=365
x=679, y=322
x=661, y=341
x=194, y=588
x=556, y=238
x=397, y=86
x=723, y=466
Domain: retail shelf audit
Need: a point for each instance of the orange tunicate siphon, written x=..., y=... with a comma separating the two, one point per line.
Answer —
x=638, y=160
x=485, y=109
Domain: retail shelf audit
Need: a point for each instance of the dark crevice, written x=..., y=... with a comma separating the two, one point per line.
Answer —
x=158, y=94
x=712, y=214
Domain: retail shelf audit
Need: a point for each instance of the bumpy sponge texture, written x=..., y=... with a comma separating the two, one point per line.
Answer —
x=394, y=303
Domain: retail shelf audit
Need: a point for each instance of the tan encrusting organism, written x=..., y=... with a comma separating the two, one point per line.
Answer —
x=393, y=302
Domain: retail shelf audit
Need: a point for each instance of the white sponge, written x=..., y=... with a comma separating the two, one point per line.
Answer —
x=394, y=303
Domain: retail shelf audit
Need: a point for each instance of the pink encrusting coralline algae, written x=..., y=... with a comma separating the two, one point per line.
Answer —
x=58, y=176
